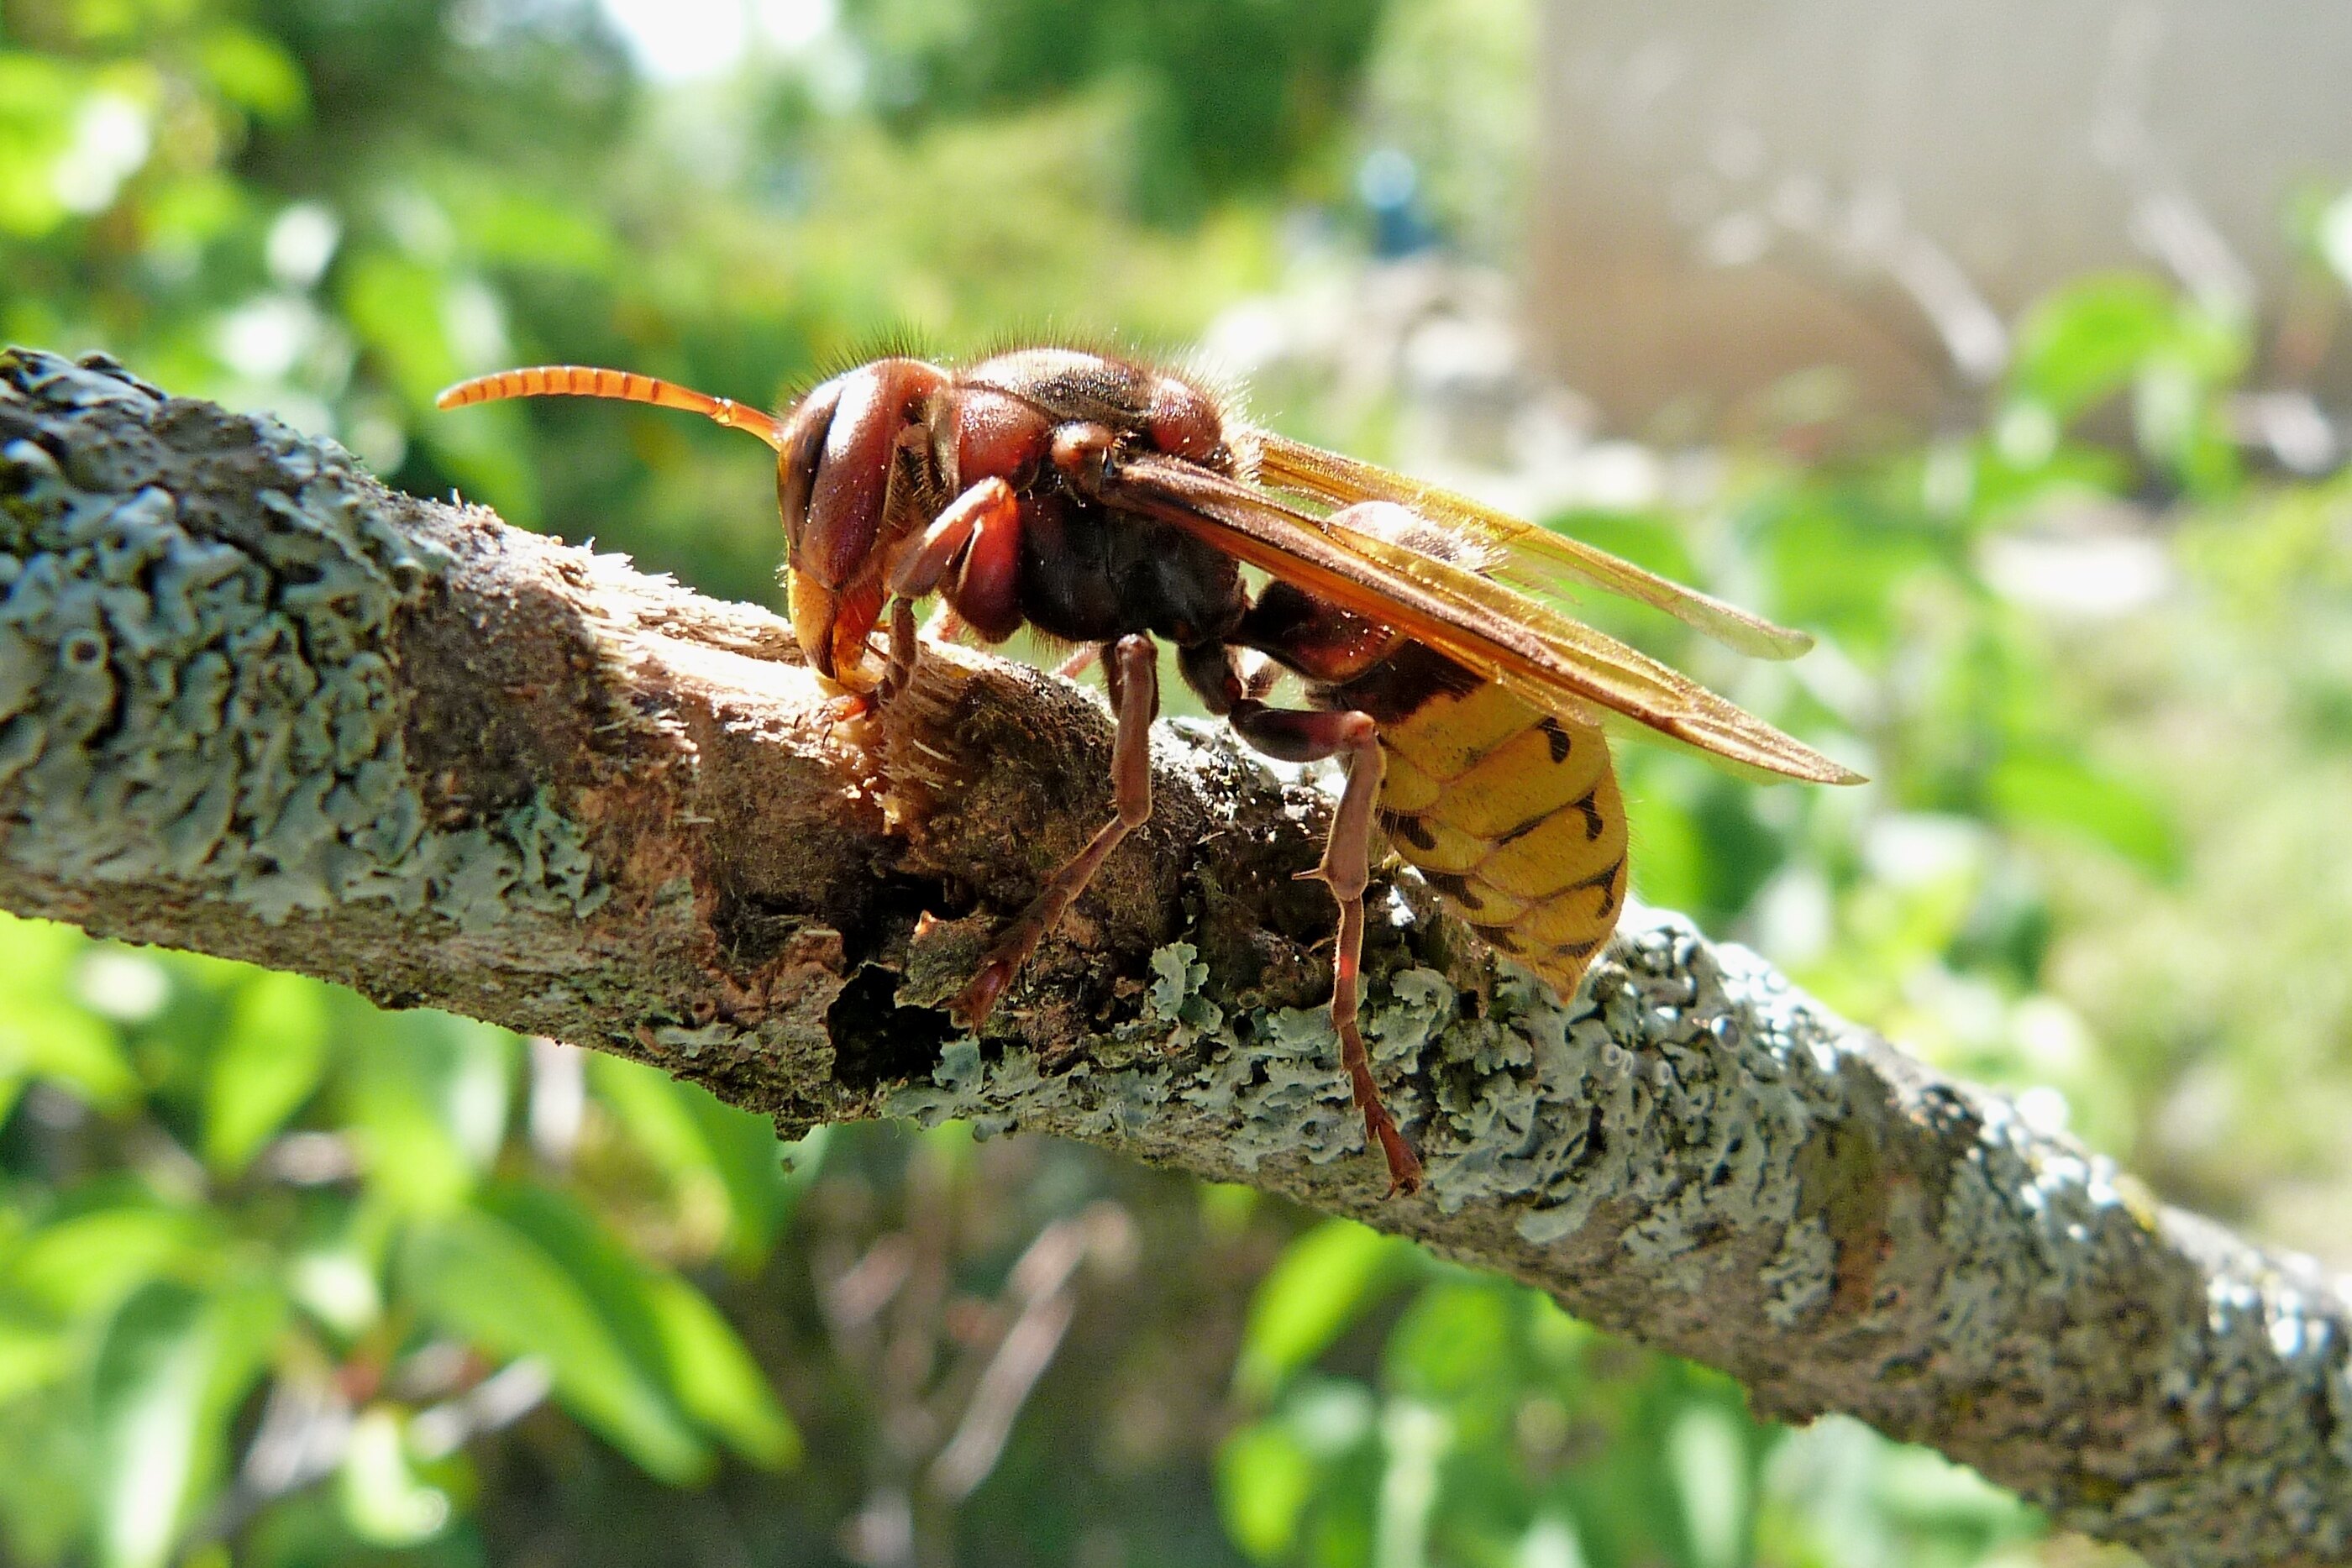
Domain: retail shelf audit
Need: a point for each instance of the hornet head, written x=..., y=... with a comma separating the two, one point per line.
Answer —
x=842, y=487
x=839, y=485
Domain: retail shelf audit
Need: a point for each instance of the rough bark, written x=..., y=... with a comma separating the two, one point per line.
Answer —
x=254, y=704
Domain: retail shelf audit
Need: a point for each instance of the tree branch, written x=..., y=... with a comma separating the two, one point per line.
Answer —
x=254, y=704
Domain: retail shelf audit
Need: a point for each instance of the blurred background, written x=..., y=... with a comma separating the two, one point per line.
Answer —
x=1999, y=349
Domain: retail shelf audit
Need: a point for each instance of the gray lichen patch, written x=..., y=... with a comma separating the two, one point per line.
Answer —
x=1798, y=1280
x=2059, y=1279
x=1673, y=1084
x=187, y=697
x=1673, y=1087
x=1541, y=1107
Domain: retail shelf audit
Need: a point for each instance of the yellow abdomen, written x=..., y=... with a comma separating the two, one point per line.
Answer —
x=1513, y=817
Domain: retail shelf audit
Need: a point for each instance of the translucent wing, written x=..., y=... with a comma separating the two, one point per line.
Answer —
x=1558, y=664
x=1542, y=560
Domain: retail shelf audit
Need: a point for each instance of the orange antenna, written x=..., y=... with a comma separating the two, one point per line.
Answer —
x=626, y=386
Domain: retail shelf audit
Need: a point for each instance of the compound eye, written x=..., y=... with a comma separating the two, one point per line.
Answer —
x=835, y=483
x=797, y=460
x=852, y=479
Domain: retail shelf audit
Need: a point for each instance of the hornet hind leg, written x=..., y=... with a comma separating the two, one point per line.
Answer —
x=1345, y=868
x=1295, y=735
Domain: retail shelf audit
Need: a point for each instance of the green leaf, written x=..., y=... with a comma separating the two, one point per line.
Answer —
x=1322, y=1282
x=716, y=1156
x=714, y=1376
x=1264, y=1481
x=147, y=1396
x=2087, y=342
x=1842, y=560
x=271, y=1058
x=478, y=1276
x=254, y=72
x=746, y=1159
x=2046, y=789
x=37, y=96
x=610, y=1276
x=31, y=1356
x=507, y=220
x=428, y=1100
x=668, y=1327
x=1456, y=1337
x=1225, y=1209
x=46, y=1032
x=83, y=1264
x=335, y=1266
x=383, y=1501
x=402, y=310
x=174, y=1366
x=70, y=1046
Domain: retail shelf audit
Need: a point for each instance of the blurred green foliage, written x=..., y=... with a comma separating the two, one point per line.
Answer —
x=1220, y=97
x=1501, y=1430
x=183, y=1235
x=284, y=1279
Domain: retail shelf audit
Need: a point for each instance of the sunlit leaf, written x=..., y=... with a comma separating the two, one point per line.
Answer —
x=1264, y=1481
x=70, y=1046
x=427, y=1101
x=1925, y=1488
x=1839, y=562
x=1415, y=1437
x=83, y=1263
x=147, y=1405
x=45, y=1032
x=2085, y=341
x=31, y=1356
x=254, y=72
x=714, y=1376
x=37, y=98
x=2049, y=790
x=478, y=1275
x=382, y=1499
x=1550, y=1542
x=1328, y=1415
x=505, y=221
x=272, y=1054
x=174, y=1365
x=1710, y=1467
x=669, y=1328
x=401, y=308
x=1325, y=1280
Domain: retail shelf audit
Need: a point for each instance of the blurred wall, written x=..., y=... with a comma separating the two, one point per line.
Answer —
x=1730, y=193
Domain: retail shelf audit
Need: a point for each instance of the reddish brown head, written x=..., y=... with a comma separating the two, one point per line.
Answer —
x=846, y=483
x=841, y=480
